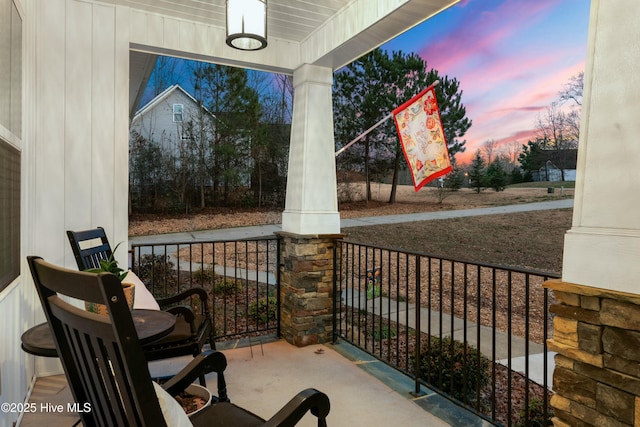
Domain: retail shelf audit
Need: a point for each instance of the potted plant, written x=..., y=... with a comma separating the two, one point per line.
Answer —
x=110, y=265
x=194, y=399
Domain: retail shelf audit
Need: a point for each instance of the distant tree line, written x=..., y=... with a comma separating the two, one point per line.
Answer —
x=558, y=132
x=240, y=158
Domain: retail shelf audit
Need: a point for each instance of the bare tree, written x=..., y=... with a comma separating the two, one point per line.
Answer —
x=512, y=150
x=269, y=147
x=552, y=128
x=573, y=127
x=285, y=88
x=164, y=74
x=489, y=149
x=573, y=90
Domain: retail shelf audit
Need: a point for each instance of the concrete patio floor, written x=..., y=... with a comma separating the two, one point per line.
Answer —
x=263, y=377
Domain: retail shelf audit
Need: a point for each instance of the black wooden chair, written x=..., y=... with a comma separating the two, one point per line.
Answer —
x=192, y=329
x=106, y=367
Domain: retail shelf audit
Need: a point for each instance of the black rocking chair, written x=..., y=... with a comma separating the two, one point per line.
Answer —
x=106, y=367
x=192, y=329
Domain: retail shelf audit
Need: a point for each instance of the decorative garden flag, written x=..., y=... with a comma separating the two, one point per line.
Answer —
x=422, y=138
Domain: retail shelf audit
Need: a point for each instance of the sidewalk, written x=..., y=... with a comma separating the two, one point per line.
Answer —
x=445, y=325
x=268, y=230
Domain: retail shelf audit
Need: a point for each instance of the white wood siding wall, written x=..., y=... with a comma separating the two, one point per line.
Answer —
x=75, y=156
x=17, y=301
x=16, y=368
x=81, y=144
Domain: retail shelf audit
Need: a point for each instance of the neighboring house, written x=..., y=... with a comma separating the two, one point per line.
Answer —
x=166, y=136
x=559, y=165
x=185, y=133
x=164, y=119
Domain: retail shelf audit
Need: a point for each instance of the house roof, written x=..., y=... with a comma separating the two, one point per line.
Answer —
x=162, y=97
x=562, y=159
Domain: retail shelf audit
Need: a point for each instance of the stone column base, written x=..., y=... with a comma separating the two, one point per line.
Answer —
x=596, y=333
x=306, y=288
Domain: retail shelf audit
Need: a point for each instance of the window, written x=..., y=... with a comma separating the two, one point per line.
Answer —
x=10, y=68
x=177, y=112
x=9, y=214
x=10, y=134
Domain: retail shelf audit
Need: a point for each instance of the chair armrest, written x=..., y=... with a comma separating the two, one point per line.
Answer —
x=186, y=312
x=199, y=292
x=204, y=363
x=307, y=400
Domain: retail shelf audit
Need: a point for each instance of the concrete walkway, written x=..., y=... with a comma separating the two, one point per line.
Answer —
x=255, y=231
x=444, y=325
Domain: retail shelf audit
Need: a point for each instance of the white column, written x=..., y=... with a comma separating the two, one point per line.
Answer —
x=311, y=204
x=602, y=249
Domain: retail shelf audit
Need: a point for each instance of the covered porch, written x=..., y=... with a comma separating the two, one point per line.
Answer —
x=74, y=79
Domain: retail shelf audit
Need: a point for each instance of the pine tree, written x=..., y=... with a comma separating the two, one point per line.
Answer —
x=368, y=89
x=477, y=173
x=496, y=176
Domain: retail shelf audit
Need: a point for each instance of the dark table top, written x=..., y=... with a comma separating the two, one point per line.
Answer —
x=150, y=325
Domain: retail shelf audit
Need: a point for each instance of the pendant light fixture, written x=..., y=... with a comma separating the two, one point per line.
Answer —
x=247, y=24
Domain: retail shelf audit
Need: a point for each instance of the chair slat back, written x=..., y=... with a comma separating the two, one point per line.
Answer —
x=89, y=247
x=101, y=355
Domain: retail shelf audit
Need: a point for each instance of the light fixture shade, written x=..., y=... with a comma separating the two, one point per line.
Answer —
x=247, y=24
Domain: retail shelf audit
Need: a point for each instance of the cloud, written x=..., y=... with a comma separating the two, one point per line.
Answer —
x=511, y=58
x=509, y=64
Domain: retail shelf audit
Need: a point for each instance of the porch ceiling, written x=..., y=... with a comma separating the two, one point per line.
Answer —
x=327, y=33
x=291, y=20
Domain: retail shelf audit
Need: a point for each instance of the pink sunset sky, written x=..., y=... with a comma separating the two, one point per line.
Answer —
x=511, y=57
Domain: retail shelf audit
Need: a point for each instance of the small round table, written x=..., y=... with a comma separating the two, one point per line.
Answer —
x=150, y=325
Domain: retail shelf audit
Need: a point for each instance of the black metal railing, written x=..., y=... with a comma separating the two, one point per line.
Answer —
x=474, y=332
x=240, y=276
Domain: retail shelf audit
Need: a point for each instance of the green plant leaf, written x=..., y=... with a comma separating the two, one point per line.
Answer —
x=110, y=265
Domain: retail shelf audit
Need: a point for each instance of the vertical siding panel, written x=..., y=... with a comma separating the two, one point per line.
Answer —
x=171, y=30
x=12, y=359
x=48, y=147
x=189, y=34
x=26, y=299
x=138, y=26
x=120, y=104
x=102, y=117
x=155, y=32
x=78, y=100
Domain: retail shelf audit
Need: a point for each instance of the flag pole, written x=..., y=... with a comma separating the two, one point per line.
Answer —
x=357, y=138
x=382, y=120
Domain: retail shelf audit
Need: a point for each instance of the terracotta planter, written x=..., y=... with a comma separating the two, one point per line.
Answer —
x=129, y=294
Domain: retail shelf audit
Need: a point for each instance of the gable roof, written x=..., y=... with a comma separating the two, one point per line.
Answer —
x=162, y=97
x=562, y=159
